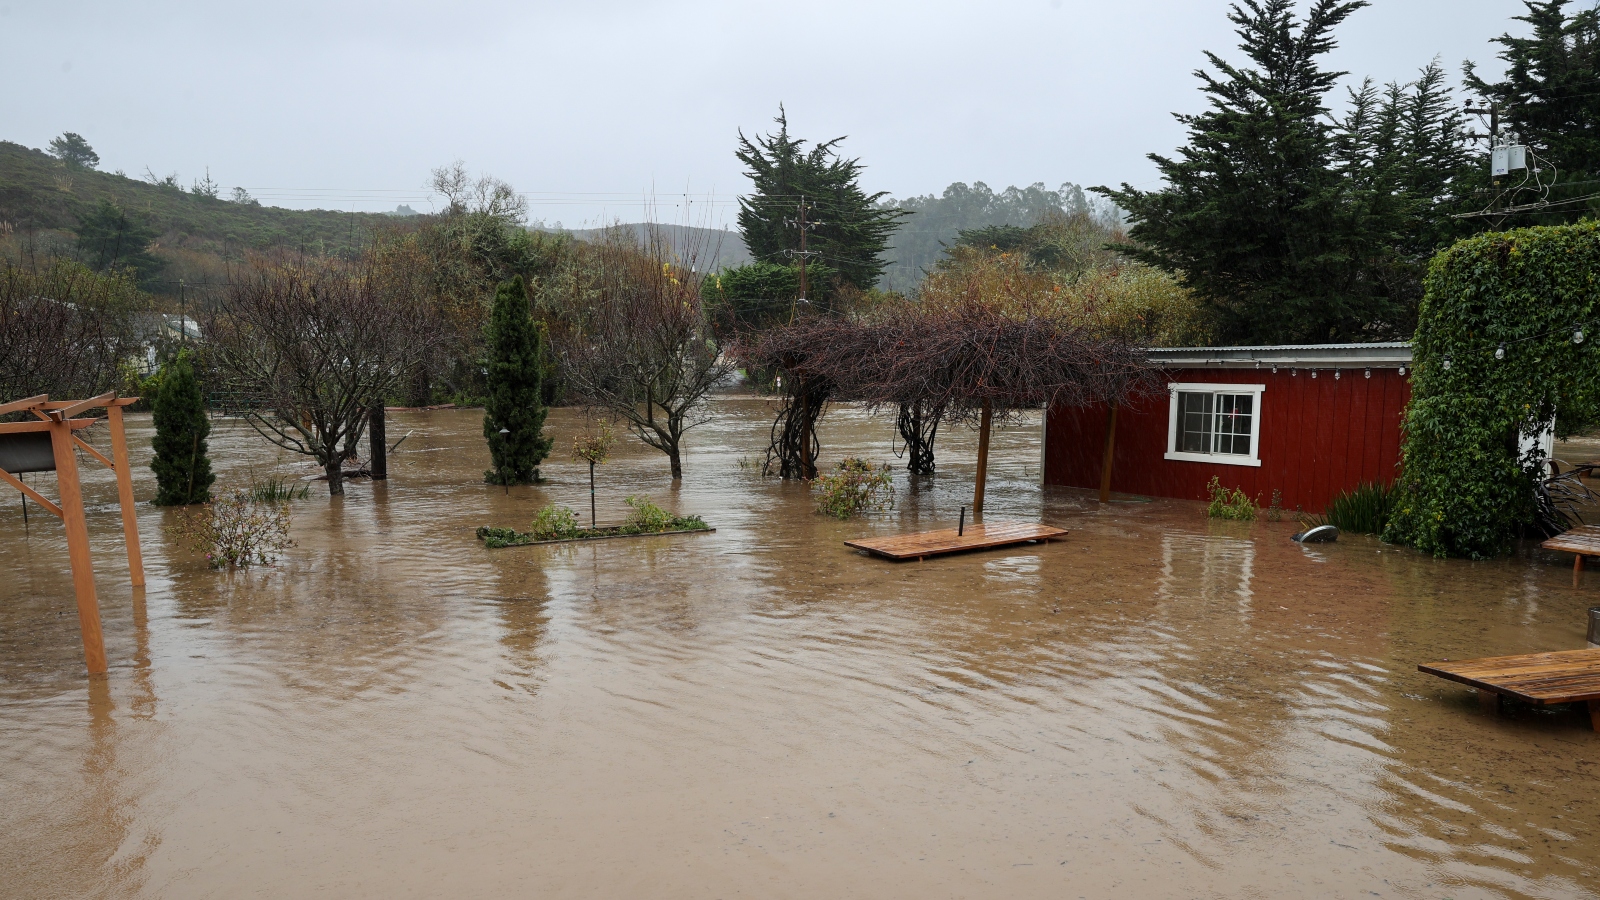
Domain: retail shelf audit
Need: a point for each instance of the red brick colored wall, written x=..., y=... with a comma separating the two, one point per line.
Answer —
x=1318, y=436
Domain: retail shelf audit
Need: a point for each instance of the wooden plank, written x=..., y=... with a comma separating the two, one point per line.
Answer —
x=25, y=403
x=38, y=498
x=1566, y=676
x=61, y=413
x=977, y=537
x=1584, y=539
x=43, y=425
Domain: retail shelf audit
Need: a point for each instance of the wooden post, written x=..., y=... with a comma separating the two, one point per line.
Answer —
x=1577, y=570
x=1594, y=714
x=130, y=518
x=376, y=440
x=1105, y=464
x=1489, y=701
x=983, y=462
x=94, y=644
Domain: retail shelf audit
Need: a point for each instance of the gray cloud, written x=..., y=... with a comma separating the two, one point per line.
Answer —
x=589, y=107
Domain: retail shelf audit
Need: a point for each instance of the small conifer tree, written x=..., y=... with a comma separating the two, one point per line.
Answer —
x=183, y=470
x=515, y=402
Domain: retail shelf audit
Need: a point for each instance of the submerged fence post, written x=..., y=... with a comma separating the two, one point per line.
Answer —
x=961, y=525
x=378, y=441
x=983, y=461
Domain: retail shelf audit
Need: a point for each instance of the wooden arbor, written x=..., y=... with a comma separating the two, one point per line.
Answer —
x=47, y=445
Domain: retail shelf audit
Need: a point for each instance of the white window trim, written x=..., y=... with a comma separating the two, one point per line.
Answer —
x=1226, y=459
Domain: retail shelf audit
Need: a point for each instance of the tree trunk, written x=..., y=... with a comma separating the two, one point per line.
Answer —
x=677, y=463
x=335, y=470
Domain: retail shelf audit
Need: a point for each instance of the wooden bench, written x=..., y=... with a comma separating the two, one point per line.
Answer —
x=975, y=537
x=1567, y=676
x=1583, y=541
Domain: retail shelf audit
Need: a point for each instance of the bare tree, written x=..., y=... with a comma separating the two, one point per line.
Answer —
x=315, y=344
x=64, y=329
x=633, y=338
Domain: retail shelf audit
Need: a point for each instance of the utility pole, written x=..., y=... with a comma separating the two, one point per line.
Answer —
x=803, y=253
x=1493, y=112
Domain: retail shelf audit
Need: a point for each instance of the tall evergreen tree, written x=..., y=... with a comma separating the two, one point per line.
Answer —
x=111, y=240
x=1253, y=213
x=515, y=401
x=1550, y=100
x=182, y=466
x=849, y=232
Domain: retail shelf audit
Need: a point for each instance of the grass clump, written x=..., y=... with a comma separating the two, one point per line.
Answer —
x=1229, y=504
x=277, y=490
x=1364, y=510
x=856, y=486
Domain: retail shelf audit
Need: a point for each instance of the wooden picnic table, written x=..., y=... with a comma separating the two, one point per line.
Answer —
x=1565, y=676
x=949, y=540
x=1583, y=541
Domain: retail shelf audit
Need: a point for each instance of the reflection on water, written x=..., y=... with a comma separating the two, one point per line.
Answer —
x=1158, y=706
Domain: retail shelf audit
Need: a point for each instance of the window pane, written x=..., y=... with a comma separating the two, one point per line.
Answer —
x=1234, y=412
x=1194, y=422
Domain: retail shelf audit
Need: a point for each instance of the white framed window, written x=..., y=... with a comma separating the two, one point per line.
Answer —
x=1215, y=423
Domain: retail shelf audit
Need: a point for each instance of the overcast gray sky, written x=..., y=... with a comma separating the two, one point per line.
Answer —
x=590, y=106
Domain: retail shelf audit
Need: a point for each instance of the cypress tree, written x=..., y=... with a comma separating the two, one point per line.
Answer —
x=515, y=402
x=183, y=471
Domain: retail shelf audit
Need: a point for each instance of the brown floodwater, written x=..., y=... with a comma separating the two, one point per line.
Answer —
x=1161, y=706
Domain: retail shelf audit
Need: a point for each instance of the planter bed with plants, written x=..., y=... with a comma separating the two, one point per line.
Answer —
x=558, y=524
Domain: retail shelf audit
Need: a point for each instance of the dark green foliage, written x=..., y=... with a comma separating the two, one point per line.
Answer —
x=1550, y=99
x=110, y=240
x=762, y=294
x=1465, y=488
x=183, y=470
x=515, y=401
x=1060, y=243
x=73, y=150
x=1364, y=510
x=852, y=231
x=1291, y=227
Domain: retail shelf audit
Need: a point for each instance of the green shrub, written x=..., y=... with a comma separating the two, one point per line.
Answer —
x=235, y=531
x=857, y=486
x=646, y=517
x=1226, y=504
x=554, y=523
x=1495, y=358
x=1364, y=510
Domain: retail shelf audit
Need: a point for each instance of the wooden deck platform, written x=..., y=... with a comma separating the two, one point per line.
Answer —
x=1583, y=541
x=1567, y=676
x=977, y=537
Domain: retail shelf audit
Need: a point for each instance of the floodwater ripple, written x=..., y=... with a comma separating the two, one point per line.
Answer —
x=1158, y=706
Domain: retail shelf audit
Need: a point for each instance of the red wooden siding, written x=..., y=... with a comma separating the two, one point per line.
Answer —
x=1319, y=436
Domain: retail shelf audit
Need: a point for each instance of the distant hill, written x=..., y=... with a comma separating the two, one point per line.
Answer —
x=713, y=248
x=41, y=199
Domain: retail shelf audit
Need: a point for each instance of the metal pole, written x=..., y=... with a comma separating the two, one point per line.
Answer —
x=961, y=526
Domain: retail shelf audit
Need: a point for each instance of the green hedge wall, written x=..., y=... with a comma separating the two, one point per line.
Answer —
x=1464, y=488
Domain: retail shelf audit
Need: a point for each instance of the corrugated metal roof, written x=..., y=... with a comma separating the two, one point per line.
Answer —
x=1392, y=353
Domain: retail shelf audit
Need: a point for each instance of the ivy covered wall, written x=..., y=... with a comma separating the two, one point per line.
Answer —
x=1505, y=342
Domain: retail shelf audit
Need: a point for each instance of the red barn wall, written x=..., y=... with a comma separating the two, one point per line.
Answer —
x=1319, y=436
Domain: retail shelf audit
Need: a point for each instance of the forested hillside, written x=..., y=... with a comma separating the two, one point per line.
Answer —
x=43, y=203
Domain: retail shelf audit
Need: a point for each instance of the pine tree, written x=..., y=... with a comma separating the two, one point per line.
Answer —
x=1550, y=100
x=1253, y=213
x=183, y=470
x=515, y=401
x=849, y=232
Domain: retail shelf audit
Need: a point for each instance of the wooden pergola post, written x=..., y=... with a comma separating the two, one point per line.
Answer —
x=983, y=461
x=1105, y=463
x=130, y=518
x=56, y=420
x=94, y=642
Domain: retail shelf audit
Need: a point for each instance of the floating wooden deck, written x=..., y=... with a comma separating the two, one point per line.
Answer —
x=975, y=537
x=1568, y=676
x=1583, y=540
